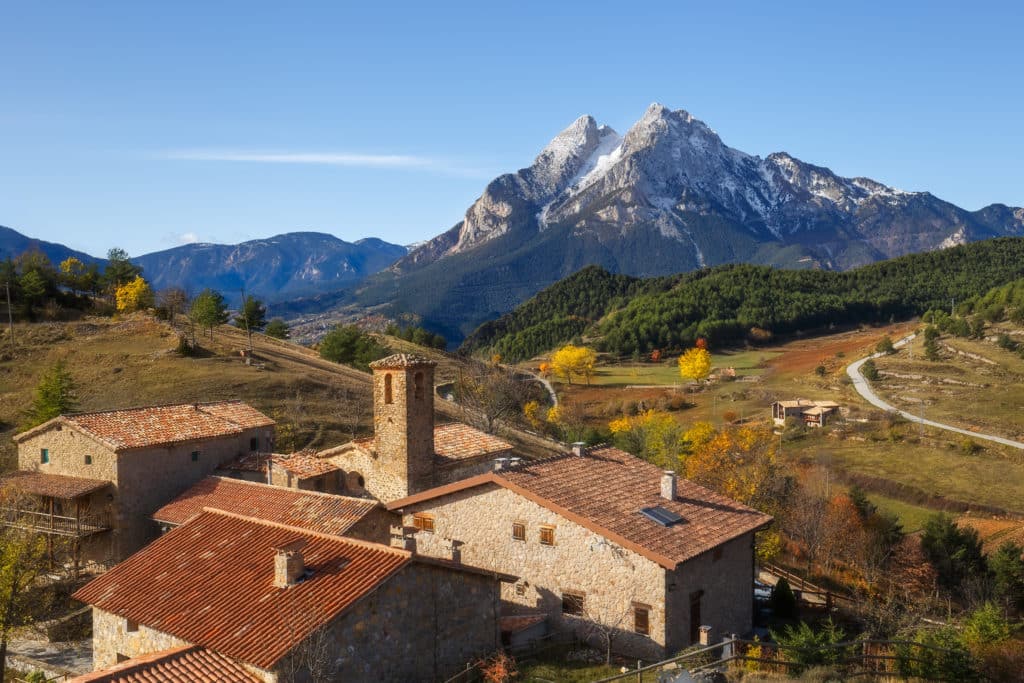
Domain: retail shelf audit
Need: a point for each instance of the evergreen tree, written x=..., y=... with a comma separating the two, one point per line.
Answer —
x=209, y=310
x=278, y=329
x=55, y=394
x=119, y=270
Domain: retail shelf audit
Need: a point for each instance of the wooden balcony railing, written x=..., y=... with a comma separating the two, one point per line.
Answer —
x=44, y=522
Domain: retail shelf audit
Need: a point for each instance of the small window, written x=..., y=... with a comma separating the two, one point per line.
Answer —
x=195, y=456
x=131, y=626
x=254, y=443
x=44, y=455
x=88, y=460
x=423, y=522
x=572, y=603
x=121, y=658
x=387, y=389
x=547, y=535
x=518, y=531
x=520, y=589
x=641, y=619
x=716, y=554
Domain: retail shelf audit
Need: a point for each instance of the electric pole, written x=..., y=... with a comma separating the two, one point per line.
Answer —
x=10, y=313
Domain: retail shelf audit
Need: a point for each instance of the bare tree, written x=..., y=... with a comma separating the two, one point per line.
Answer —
x=490, y=394
x=310, y=659
x=173, y=301
x=607, y=622
x=355, y=409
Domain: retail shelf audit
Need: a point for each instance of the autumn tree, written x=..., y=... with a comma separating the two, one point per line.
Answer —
x=489, y=394
x=120, y=270
x=653, y=435
x=573, y=360
x=23, y=562
x=73, y=273
x=134, y=295
x=170, y=302
x=695, y=364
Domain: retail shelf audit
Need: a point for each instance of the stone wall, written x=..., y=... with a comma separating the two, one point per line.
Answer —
x=111, y=637
x=375, y=526
x=475, y=527
x=403, y=427
x=725, y=583
x=424, y=624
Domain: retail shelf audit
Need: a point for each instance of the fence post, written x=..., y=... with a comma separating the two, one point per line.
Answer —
x=639, y=674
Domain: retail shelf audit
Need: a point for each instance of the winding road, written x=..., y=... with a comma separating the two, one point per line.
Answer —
x=864, y=389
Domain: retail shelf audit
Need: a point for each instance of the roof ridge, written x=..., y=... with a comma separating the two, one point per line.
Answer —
x=306, y=532
x=179, y=404
x=290, y=490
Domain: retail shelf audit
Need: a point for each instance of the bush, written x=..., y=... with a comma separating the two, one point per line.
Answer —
x=885, y=346
x=869, y=371
x=782, y=601
x=806, y=647
x=950, y=663
x=821, y=371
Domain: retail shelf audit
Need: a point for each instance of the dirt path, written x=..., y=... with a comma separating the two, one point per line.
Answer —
x=864, y=389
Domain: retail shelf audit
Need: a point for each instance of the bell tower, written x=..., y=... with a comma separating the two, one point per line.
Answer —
x=403, y=422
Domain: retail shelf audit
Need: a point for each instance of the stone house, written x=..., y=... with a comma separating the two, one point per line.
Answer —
x=811, y=413
x=305, y=470
x=103, y=474
x=408, y=453
x=324, y=513
x=599, y=537
x=281, y=601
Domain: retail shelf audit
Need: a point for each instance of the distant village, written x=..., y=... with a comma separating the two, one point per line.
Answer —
x=399, y=557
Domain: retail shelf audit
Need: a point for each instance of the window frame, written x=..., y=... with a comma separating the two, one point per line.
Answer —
x=194, y=456
x=44, y=456
x=575, y=601
x=424, y=521
x=519, y=531
x=88, y=459
x=641, y=619
x=547, y=531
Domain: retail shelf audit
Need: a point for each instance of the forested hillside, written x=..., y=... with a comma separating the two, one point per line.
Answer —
x=732, y=304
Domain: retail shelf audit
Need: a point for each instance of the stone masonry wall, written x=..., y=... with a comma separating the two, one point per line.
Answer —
x=404, y=427
x=475, y=527
x=111, y=637
x=423, y=624
x=727, y=601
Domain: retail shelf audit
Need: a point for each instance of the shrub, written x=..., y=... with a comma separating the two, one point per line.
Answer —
x=885, y=346
x=782, y=601
x=821, y=371
x=806, y=647
x=869, y=371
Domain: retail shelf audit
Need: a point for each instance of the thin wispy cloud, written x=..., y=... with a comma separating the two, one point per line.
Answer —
x=346, y=159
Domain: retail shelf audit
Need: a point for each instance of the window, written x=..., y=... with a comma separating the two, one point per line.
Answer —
x=572, y=603
x=423, y=522
x=195, y=456
x=641, y=619
x=318, y=484
x=254, y=443
x=518, y=531
x=418, y=385
x=88, y=460
x=547, y=535
x=131, y=626
x=387, y=388
x=44, y=455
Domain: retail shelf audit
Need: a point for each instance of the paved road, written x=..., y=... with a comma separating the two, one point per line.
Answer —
x=864, y=389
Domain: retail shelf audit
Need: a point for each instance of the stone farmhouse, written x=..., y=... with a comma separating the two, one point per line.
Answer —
x=599, y=537
x=324, y=513
x=273, y=602
x=811, y=413
x=97, y=477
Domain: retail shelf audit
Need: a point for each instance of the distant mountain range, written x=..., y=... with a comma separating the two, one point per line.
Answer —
x=668, y=196
x=287, y=266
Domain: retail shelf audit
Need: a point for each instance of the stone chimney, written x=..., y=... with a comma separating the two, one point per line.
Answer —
x=577, y=448
x=288, y=564
x=704, y=634
x=668, y=485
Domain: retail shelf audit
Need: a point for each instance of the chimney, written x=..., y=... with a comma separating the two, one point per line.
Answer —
x=577, y=448
x=668, y=485
x=705, y=635
x=288, y=565
x=500, y=464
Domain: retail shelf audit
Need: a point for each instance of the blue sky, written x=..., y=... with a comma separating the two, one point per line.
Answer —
x=143, y=125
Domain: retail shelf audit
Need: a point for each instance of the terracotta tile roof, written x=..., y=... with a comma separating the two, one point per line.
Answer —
x=453, y=442
x=186, y=664
x=605, y=489
x=157, y=425
x=52, y=485
x=519, y=622
x=210, y=582
x=456, y=441
x=305, y=465
x=401, y=360
x=309, y=510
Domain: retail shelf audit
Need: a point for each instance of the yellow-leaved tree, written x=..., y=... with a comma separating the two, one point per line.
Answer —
x=573, y=360
x=653, y=435
x=134, y=295
x=742, y=463
x=695, y=364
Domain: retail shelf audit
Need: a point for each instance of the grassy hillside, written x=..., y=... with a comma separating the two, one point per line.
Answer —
x=724, y=304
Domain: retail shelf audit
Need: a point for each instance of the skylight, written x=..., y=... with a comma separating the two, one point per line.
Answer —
x=661, y=515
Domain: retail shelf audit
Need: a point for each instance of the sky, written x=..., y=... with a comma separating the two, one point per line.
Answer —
x=148, y=125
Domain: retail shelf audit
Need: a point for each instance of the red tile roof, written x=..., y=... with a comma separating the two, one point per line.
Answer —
x=456, y=441
x=305, y=465
x=605, y=489
x=52, y=485
x=186, y=664
x=158, y=425
x=320, y=512
x=211, y=582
